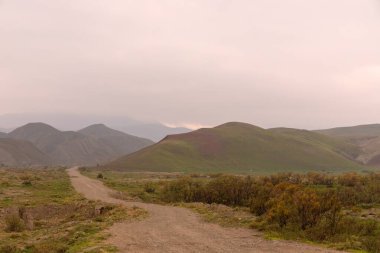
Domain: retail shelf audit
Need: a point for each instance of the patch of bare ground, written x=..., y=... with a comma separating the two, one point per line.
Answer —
x=175, y=229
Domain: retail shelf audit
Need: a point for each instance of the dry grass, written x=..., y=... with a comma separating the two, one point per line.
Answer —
x=60, y=219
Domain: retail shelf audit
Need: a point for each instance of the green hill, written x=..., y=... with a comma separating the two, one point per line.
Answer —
x=240, y=147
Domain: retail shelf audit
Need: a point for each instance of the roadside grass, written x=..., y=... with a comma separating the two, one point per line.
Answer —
x=62, y=220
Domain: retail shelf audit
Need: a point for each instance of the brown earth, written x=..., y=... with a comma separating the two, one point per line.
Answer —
x=174, y=229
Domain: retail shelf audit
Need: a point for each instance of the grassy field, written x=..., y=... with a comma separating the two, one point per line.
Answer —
x=41, y=213
x=357, y=211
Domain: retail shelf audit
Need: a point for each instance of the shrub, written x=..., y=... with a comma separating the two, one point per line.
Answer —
x=100, y=176
x=14, y=223
x=49, y=247
x=372, y=244
x=150, y=187
x=8, y=249
x=27, y=183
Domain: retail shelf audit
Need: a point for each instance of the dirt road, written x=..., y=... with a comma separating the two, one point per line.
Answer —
x=173, y=229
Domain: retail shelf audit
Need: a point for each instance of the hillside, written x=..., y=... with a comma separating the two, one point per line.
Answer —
x=354, y=132
x=69, y=147
x=365, y=137
x=121, y=143
x=241, y=147
x=21, y=153
x=3, y=135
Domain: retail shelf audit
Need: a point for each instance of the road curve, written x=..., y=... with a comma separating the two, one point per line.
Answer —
x=173, y=229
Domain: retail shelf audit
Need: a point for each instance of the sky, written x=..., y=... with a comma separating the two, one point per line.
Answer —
x=294, y=63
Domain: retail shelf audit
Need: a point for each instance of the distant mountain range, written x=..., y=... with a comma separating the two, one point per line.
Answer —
x=231, y=147
x=241, y=147
x=153, y=131
x=90, y=146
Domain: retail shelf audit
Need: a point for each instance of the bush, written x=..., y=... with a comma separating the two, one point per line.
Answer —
x=100, y=176
x=49, y=247
x=372, y=244
x=13, y=223
x=150, y=187
x=8, y=249
x=27, y=183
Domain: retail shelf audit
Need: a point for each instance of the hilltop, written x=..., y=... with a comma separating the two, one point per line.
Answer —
x=241, y=147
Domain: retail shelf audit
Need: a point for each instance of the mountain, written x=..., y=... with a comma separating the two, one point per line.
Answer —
x=149, y=130
x=365, y=137
x=69, y=147
x=240, y=147
x=3, y=135
x=120, y=142
x=21, y=153
x=155, y=132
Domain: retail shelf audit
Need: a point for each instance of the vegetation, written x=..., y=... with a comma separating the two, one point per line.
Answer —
x=46, y=215
x=342, y=211
x=243, y=148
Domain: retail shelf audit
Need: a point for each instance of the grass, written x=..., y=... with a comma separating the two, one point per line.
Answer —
x=63, y=220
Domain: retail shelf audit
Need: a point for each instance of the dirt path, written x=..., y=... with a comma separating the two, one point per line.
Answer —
x=173, y=229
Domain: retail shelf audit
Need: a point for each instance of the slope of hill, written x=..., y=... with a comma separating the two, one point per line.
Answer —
x=355, y=132
x=365, y=137
x=340, y=146
x=240, y=147
x=121, y=143
x=68, y=147
x=21, y=153
x=3, y=135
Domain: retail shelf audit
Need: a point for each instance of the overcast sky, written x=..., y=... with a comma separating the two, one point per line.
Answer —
x=295, y=63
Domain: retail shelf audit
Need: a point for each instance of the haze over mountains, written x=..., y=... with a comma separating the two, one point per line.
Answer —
x=90, y=146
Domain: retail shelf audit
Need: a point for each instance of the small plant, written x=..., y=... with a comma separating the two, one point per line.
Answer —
x=27, y=183
x=150, y=188
x=14, y=223
x=100, y=176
